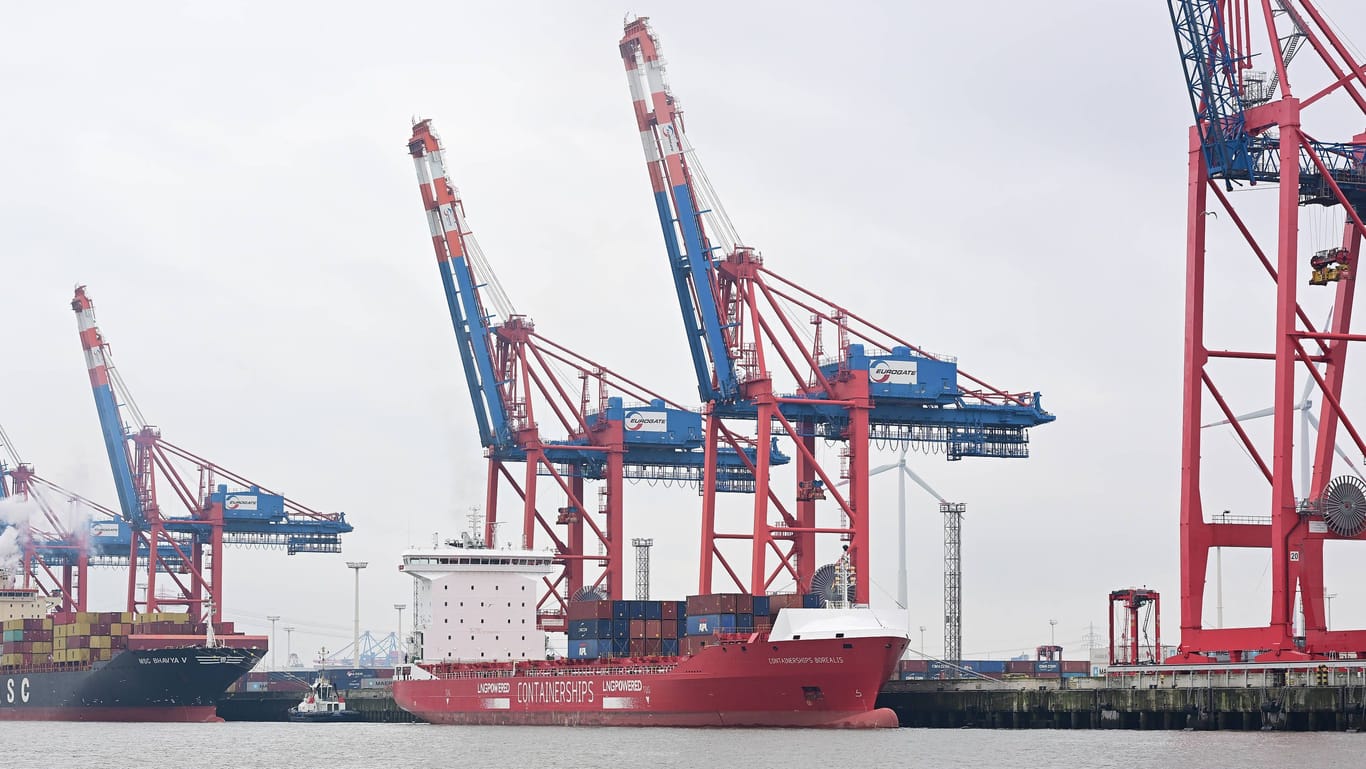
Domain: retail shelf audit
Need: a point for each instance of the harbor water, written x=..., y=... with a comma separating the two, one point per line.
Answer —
x=422, y=746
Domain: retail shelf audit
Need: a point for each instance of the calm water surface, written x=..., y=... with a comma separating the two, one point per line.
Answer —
x=420, y=746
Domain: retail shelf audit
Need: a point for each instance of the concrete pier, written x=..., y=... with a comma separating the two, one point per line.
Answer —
x=1089, y=704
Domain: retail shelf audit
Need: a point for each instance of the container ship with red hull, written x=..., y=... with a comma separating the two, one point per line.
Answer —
x=633, y=663
x=114, y=666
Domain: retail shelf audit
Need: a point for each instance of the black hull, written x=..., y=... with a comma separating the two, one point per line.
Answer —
x=175, y=684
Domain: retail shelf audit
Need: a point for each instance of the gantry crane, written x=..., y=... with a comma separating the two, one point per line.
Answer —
x=614, y=428
x=1251, y=129
x=214, y=513
x=738, y=321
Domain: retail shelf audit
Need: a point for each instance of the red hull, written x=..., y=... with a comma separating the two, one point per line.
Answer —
x=188, y=714
x=831, y=683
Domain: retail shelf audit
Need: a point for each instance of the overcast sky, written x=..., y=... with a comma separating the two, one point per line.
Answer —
x=231, y=182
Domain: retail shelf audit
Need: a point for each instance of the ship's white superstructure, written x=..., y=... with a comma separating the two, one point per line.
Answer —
x=476, y=604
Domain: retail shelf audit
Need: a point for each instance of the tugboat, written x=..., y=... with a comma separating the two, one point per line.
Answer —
x=323, y=704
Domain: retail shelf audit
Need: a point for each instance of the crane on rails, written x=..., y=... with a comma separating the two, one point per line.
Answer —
x=846, y=380
x=214, y=513
x=1252, y=129
x=614, y=428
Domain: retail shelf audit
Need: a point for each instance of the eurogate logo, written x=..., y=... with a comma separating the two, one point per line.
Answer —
x=646, y=421
x=892, y=372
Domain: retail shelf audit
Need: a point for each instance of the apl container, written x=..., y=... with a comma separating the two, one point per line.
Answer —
x=584, y=649
x=704, y=624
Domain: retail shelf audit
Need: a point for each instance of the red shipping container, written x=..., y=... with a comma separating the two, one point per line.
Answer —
x=654, y=629
x=1076, y=666
x=637, y=628
x=637, y=647
x=652, y=647
x=1019, y=666
x=669, y=610
x=583, y=610
x=914, y=666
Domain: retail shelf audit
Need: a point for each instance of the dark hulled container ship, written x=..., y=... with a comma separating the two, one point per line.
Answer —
x=114, y=666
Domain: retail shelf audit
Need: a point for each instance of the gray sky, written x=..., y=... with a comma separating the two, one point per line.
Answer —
x=232, y=184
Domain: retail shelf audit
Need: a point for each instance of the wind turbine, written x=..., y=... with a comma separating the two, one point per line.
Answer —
x=953, y=515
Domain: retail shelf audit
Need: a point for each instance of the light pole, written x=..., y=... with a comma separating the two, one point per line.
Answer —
x=1052, y=632
x=355, y=635
x=402, y=656
x=1328, y=609
x=289, y=636
x=922, y=640
x=273, y=619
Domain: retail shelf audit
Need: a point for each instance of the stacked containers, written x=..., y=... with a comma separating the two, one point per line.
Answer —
x=602, y=629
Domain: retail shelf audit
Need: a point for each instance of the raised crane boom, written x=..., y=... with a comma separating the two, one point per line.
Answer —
x=446, y=220
x=685, y=239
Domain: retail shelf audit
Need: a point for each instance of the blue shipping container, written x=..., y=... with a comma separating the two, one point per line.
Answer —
x=654, y=610
x=621, y=610
x=669, y=647
x=621, y=628
x=621, y=647
x=584, y=649
x=704, y=624
x=760, y=605
x=638, y=609
x=727, y=622
x=1047, y=667
x=682, y=626
x=990, y=666
x=812, y=601
x=744, y=622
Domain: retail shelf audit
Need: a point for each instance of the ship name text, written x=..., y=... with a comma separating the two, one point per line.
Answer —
x=806, y=660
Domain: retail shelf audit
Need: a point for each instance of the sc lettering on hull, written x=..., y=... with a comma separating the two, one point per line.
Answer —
x=16, y=693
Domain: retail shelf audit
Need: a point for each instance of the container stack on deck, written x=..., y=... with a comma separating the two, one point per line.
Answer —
x=607, y=629
x=82, y=637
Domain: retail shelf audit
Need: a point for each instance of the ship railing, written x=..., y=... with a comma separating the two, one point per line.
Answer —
x=550, y=672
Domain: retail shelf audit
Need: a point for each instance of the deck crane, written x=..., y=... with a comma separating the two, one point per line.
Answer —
x=739, y=322
x=214, y=514
x=615, y=429
x=1251, y=128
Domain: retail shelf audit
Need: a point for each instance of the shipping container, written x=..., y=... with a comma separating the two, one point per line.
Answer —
x=1076, y=666
x=621, y=647
x=1019, y=666
x=671, y=609
x=637, y=628
x=1045, y=666
x=653, y=629
x=759, y=606
x=744, y=623
x=703, y=624
x=621, y=629
x=914, y=666
x=583, y=649
x=812, y=601
x=669, y=647
x=637, y=609
x=621, y=610
x=654, y=610
x=990, y=666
